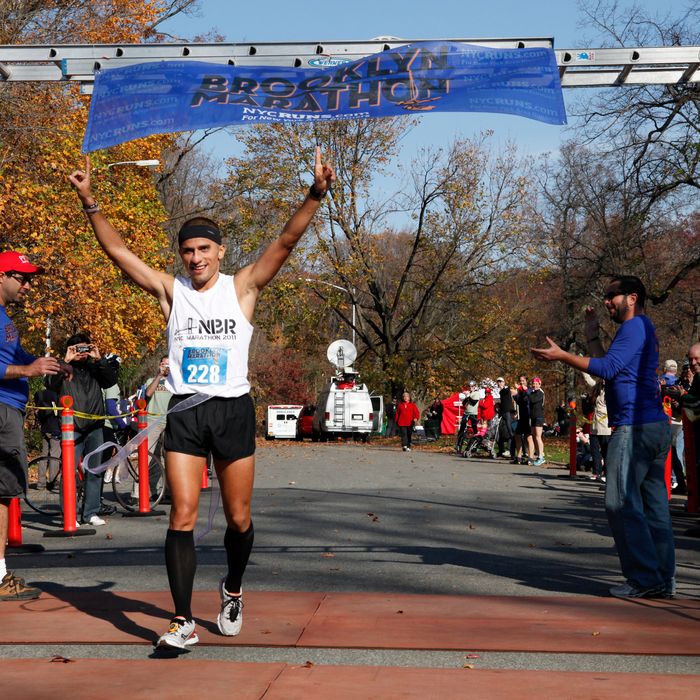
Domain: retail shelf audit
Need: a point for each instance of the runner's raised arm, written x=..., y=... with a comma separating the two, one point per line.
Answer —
x=155, y=282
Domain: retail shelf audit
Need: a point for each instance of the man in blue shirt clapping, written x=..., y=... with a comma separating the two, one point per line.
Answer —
x=636, y=500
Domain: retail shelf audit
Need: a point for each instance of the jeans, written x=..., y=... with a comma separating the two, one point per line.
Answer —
x=636, y=503
x=599, y=451
x=505, y=433
x=85, y=443
x=406, y=431
x=50, y=447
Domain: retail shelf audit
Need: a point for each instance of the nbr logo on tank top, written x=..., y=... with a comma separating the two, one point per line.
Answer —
x=207, y=329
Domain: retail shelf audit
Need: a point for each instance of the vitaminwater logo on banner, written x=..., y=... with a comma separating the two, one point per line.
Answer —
x=171, y=96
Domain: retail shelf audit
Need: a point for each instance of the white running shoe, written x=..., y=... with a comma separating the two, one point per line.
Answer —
x=180, y=634
x=230, y=618
x=96, y=520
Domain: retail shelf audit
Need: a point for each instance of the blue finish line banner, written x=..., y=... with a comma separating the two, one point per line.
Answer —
x=171, y=96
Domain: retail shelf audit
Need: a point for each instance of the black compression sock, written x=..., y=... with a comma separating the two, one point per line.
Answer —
x=181, y=564
x=238, y=547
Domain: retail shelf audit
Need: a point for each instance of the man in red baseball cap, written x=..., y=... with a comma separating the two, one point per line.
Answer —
x=12, y=262
x=16, y=366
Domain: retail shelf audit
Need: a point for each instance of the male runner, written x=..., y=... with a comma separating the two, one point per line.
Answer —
x=208, y=317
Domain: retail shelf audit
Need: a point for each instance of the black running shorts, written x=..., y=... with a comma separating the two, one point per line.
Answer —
x=223, y=426
x=13, y=455
x=523, y=427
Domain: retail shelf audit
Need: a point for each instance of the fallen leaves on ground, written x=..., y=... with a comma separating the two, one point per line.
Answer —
x=61, y=660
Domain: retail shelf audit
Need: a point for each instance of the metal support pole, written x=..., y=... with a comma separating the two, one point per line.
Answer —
x=572, y=438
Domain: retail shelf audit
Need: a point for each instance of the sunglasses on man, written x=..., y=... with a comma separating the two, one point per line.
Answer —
x=21, y=277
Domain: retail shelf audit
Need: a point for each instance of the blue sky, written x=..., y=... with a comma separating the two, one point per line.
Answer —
x=282, y=20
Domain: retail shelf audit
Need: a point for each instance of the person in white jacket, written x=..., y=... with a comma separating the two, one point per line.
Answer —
x=600, y=431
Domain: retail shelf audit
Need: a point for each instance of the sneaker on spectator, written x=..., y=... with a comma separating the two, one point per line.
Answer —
x=95, y=520
x=506, y=454
x=230, y=618
x=632, y=590
x=539, y=461
x=180, y=634
x=14, y=588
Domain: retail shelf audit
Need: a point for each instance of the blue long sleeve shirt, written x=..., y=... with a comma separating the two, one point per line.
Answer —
x=13, y=392
x=629, y=368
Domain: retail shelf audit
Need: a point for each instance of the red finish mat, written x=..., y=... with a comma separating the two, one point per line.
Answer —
x=575, y=624
x=37, y=679
x=105, y=617
x=579, y=624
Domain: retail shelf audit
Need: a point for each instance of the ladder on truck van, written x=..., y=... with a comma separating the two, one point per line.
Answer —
x=578, y=67
x=339, y=407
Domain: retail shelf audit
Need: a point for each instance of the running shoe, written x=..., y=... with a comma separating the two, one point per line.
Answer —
x=14, y=588
x=632, y=590
x=180, y=634
x=539, y=462
x=230, y=618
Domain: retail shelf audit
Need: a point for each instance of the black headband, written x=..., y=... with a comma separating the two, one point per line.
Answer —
x=199, y=231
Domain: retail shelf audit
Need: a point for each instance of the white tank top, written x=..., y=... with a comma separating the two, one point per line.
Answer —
x=208, y=340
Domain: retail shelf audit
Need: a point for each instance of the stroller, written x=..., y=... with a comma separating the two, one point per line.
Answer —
x=485, y=441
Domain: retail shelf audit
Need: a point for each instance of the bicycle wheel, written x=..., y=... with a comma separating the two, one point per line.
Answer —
x=125, y=482
x=44, y=485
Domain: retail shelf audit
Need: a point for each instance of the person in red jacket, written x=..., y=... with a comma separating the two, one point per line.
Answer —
x=407, y=415
x=486, y=408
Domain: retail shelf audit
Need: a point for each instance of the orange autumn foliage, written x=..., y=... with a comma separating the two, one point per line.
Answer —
x=41, y=215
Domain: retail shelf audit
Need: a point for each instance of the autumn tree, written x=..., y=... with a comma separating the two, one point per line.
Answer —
x=656, y=126
x=595, y=222
x=41, y=129
x=460, y=212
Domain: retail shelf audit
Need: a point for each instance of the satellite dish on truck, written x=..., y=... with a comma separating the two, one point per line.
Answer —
x=341, y=354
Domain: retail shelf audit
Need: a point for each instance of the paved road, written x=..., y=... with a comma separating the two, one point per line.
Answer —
x=347, y=517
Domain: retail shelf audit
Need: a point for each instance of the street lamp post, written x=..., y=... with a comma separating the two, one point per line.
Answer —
x=139, y=163
x=342, y=289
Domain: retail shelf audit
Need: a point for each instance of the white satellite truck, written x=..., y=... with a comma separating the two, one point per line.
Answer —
x=344, y=407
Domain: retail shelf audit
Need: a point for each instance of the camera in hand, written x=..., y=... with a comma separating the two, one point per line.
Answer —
x=82, y=348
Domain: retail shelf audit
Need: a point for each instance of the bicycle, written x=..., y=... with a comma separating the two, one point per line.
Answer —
x=47, y=501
